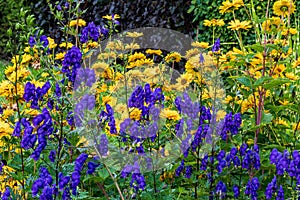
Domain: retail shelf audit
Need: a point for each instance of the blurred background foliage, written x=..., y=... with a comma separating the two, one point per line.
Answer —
x=185, y=16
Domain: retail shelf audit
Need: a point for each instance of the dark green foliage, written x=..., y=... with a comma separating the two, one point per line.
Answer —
x=11, y=15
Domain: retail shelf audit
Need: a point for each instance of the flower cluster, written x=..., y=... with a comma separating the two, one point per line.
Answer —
x=230, y=124
x=108, y=115
x=137, y=179
x=35, y=94
x=92, y=31
x=75, y=177
x=252, y=187
x=43, y=40
x=72, y=58
x=87, y=102
x=86, y=76
x=286, y=163
x=44, y=183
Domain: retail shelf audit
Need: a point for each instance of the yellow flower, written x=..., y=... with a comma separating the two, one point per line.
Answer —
x=291, y=76
x=134, y=34
x=108, y=73
x=52, y=44
x=296, y=63
x=109, y=100
x=136, y=56
x=228, y=99
x=92, y=44
x=60, y=56
x=192, y=52
x=115, y=45
x=279, y=69
x=5, y=129
x=153, y=51
x=203, y=45
x=67, y=45
x=291, y=31
x=284, y=7
x=237, y=24
x=79, y=22
x=220, y=114
x=109, y=17
x=140, y=62
x=214, y=22
x=296, y=126
x=132, y=46
x=135, y=114
x=282, y=122
x=284, y=102
x=237, y=3
x=183, y=81
x=173, y=57
x=170, y=114
x=226, y=7
x=7, y=113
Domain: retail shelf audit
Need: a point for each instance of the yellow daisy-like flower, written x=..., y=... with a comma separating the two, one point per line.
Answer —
x=183, y=81
x=296, y=126
x=291, y=76
x=135, y=114
x=132, y=46
x=192, y=52
x=79, y=22
x=134, y=34
x=5, y=129
x=220, y=114
x=60, y=56
x=279, y=68
x=92, y=44
x=228, y=99
x=203, y=45
x=170, y=114
x=237, y=25
x=109, y=17
x=214, y=22
x=173, y=57
x=226, y=7
x=291, y=31
x=109, y=100
x=136, y=56
x=284, y=7
x=296, y=63
x=284, y=102
x=281, y=122
x=67, y=45
x=237, y=3
x=154, y=51
x=52, y=44
x=271, y=24
x=108, y=73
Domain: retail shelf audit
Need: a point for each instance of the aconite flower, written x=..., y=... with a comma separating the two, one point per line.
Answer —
x=79, y=22
x=284, y=8
x=237, y=25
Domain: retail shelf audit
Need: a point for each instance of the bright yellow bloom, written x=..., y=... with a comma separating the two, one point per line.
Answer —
x=291, y=31
x=291, y=76
x=183, y=81
x=136, y=56
x=60, y=56
x=228, y=99
x=203, y=45
x=153, y=51
x=132, y=46
x=109, y=17
x=79, y=22
x=214, y=22
x=173, y=57
x=296, y=63
x=296, y=126
x=67, y=45
x=226, y=6
x=135, y=114
x=5, y=129
x=237, y=24
x=284, y=8
x=170, y=114
x=52, y=43
x=279, y=68
x=192, y=52
x=134, y=34
x=220, y=114
x=284, y=102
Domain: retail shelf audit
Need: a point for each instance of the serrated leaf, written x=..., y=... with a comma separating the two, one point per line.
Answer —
x=266, y=118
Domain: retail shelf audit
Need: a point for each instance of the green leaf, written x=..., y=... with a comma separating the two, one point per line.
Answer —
x=246, y=81
x=261, y=81
x=266, y=118
x=276, y=82
x=257, y=47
